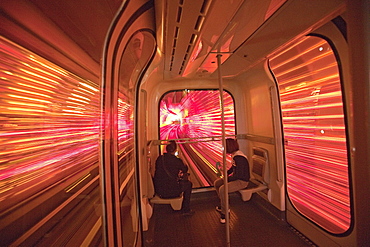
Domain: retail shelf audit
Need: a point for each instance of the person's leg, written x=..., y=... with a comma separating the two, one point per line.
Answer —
x=221, y=194
x=186, y=187
x=237, y=185
x=217, y=184
x=232, y=187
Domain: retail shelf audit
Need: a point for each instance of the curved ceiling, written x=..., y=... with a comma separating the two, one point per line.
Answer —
x=189, y=33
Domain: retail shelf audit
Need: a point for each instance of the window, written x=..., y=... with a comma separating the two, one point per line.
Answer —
x=196, y=114
x=314, y=131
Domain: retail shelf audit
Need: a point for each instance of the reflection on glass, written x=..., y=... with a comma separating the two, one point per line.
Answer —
x=314, y=132
x=135, y=57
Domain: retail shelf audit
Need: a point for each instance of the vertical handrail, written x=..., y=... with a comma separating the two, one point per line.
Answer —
x=221, y=89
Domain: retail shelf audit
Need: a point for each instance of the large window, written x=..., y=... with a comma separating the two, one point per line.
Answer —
x=49, y=139
x=196, y=115
x=314, y=132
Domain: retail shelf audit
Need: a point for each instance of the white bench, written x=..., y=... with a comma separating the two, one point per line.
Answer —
x=253, y=186
x=175, y=203
x=258, y=180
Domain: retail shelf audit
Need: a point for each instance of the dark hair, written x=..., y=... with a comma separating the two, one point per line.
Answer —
x=231, y=145
x=171, y=147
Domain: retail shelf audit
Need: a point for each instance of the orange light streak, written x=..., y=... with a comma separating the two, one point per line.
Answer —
x=314, y=133
x=79, y=100
x=34, y=111
x=37, y=82
x=30, y=92
x=28, y=98
x=34, y=87
x=41, y=71
x=40, y=144
x=90, y=87
x=50, y=67
x=38, y=76
x=200, y=116
x=81, y=97
x=28, y=104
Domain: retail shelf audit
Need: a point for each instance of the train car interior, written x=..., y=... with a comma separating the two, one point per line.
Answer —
x=92, y=92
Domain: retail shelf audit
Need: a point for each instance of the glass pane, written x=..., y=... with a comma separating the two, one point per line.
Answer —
x=314, y=132
x=137, y=53
x=197, y=114
x=49, y=137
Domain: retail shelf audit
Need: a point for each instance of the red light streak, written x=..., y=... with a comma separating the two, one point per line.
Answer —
x=192, y=114
x=314, y=131
x=50, y=122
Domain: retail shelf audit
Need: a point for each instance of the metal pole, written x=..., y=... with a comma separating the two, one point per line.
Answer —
x=227, y=217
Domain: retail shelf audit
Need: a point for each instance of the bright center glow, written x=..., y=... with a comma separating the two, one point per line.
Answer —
x=197, y=114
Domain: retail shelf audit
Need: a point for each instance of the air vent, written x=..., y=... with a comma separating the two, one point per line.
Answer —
x=186, y=23
x=179, y=12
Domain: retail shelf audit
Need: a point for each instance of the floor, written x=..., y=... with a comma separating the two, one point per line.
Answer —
x=250, y=225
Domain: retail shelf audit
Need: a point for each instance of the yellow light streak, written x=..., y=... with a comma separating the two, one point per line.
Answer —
x=29, y=92
x=44, y=72
x=7, y=72
x=34, y=87
x=74, y=99
x=75, y=103
x=90, y=87
x=28, y=104
x=28, y=98
x=36, y=75
x=204, y=160
x=72, y=186
x=57, y=70
x=36, y=112
x=38, y=82
x=79, y=96
x=72, y=111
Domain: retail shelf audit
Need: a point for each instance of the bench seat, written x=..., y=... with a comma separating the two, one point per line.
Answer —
x=253, y=186
x=175, y=203
x=259, y=177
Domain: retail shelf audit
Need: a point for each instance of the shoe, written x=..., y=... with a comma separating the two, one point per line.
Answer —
x=218, y=209
x=189, y=213
x=222, y=219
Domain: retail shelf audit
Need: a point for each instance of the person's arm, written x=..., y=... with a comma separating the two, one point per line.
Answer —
x=241, y=168
x=231, y=170
x=184, y=168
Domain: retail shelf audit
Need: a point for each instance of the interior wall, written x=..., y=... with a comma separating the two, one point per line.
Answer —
x=259, y=106
x=254, y=118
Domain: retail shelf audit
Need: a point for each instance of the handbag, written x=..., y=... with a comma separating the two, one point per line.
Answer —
x=181, y=176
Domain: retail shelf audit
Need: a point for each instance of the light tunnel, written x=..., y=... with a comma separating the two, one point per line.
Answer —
x=194, y=117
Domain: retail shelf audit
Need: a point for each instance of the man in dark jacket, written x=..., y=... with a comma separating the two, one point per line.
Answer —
x=166, y=178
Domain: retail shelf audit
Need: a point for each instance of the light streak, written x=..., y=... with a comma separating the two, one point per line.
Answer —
x=39, y=143
x=74, y=185
x=197, y=113
x=29, y=92
x=314, y=130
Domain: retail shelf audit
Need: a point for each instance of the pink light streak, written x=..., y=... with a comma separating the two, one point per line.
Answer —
x=192, y=114
x=49, y=120
x=314, y=132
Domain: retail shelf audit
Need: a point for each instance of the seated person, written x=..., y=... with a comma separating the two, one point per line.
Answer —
x=237, y=176
x=166, y=183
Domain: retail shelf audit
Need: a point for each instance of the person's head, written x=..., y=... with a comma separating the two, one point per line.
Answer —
x=231, y=145
x=171, y=147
